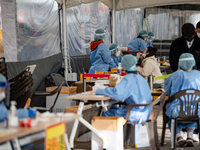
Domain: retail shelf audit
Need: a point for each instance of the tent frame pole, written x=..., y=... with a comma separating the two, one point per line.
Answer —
x=65, y=48
x=113, y=21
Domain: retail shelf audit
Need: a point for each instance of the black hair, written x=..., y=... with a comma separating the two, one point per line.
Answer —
x=152, y=50
x=198, y=25
x=188, y=30
x=140, y=37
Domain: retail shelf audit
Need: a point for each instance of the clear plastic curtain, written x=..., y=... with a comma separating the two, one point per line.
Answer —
x=167, y=23
x=128, y=24
x=1, y=39
x=37, y=29
x=82, y=21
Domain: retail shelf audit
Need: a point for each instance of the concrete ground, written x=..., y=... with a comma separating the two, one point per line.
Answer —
x=87, y=145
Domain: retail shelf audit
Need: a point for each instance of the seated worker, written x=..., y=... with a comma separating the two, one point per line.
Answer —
x=115, y=53
x=100, y=56
x=150, y=39
x=133, y=88
x=4, y=112
x=183, y=78
x=150, y=66
x=139, y=44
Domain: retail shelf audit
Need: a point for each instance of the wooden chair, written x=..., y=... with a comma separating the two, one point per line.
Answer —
x=188, y=111
x=151, y=124
x=41, y=93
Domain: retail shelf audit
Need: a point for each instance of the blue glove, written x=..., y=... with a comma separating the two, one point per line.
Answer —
x=32, y=112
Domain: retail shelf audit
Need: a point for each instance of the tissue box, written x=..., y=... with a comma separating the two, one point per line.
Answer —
x=112, y=129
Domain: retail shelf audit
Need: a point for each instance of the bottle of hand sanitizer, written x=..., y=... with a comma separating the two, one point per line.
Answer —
x=119, y=69
x=13, y=118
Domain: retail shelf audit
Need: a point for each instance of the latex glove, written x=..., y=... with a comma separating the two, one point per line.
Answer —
x=32, y=112
x=138, y=55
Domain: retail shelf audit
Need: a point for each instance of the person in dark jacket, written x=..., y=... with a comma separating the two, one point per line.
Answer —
x=187, y=43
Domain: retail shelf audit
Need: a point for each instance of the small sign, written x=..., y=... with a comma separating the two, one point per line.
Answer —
x=55, y=137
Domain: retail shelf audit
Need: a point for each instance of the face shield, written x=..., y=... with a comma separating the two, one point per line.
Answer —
x=5, y=95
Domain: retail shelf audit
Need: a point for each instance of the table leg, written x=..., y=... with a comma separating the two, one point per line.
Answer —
x=16, y=141
x=89, y=126
x=67, y=142
x=75, y=126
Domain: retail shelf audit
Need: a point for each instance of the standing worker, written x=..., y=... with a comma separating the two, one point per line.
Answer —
x=100, y=56
x=139, y=44
x=187, y=43
x=115, y=53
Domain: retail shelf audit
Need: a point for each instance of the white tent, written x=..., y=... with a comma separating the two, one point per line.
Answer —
x=115, y=5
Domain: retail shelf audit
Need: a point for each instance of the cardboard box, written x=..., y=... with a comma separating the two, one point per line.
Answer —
x=61, y=103
x=79, y=86
x=143, y=136
x=112, y=129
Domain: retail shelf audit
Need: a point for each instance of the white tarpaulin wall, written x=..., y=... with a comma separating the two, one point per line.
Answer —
x=129, y=4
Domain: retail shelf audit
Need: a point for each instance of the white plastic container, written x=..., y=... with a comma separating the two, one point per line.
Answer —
x=13, y=118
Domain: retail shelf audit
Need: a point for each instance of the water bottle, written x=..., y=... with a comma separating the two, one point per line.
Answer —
x=119, y=69
x=158, y=61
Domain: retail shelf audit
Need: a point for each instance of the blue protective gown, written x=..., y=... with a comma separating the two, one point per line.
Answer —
x=117, y=60
x=181, y=80
x=22, y=113
x=149, y=44
x=101, y=60
x=134, y=89
x=137, y=44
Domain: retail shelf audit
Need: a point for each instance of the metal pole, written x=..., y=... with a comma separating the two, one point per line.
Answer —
x=65, y=49
x=113, y=21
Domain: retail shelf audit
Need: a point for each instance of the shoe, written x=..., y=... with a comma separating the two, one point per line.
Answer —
x=195, y=138
x=189, y=142
x=181, y=141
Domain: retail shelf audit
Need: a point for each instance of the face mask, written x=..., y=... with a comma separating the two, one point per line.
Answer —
x=189, y=40
x=144, y=55
x=2, y=96
x=118, y=53
x=198, y=34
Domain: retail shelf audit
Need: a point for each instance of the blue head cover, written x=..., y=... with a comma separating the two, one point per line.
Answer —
x=186, y=61
x=99, y=34
x=151, y=35
x=113, y=48
x=129, y=62
x=3, y=81
x=143, y=33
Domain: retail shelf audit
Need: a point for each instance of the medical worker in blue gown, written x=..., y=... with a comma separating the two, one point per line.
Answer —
x=183, y=78
x=100, y=56
x=133, y=89
x=22, y=113
x=150, y=39
x=139, y=43
x=115, y=53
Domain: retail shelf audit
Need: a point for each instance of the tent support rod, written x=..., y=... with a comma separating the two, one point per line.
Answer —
x=65, y=49
x=113, y=21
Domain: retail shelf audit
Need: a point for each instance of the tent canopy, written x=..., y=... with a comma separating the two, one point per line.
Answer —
x=130, y=4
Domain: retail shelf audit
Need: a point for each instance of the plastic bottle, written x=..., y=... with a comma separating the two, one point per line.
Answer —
x=158, y=61
x=119, y=69
x=13, y=118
